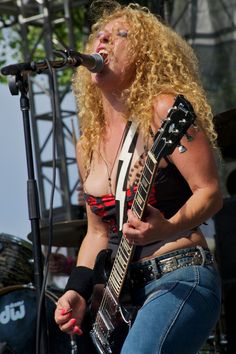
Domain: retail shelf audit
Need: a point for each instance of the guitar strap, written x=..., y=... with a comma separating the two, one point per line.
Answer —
x=124, y=162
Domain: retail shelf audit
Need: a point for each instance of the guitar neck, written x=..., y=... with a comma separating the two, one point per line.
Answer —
x=125, y=249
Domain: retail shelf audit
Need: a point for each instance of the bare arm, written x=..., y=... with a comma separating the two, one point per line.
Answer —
x=71, y=306
x=96, y=237
x=94, y=241
x=197, y=165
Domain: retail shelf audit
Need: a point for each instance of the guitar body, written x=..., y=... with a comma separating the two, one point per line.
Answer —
x=114, y=320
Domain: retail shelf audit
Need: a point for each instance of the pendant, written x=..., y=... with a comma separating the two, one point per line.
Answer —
x=109, y=185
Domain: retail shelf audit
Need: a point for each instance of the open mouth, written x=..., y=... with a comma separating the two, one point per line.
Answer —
x=104, y=55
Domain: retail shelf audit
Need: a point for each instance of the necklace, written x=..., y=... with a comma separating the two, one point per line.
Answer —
x=109, y=172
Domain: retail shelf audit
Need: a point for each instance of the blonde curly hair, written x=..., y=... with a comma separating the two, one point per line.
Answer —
x=165, y=64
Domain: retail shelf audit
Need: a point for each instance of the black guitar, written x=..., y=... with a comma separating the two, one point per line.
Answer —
x=113, y=320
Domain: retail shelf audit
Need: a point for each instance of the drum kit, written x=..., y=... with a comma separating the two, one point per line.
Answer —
x=18, y=293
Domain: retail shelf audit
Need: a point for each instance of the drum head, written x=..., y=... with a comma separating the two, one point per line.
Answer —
x=18, y=321
x=16, y=261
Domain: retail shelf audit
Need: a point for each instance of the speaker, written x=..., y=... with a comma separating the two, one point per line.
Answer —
x=225, y=250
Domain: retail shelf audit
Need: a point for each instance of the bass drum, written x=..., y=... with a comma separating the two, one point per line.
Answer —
x=18, y=322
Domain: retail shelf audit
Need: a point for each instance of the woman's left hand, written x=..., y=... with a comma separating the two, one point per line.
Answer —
x=153, y=228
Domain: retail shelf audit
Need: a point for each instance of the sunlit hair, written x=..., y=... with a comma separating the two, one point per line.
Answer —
x=165, y=64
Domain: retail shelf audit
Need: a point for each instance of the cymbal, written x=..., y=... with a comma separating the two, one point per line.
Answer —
x=225, y=125
x=64, y=234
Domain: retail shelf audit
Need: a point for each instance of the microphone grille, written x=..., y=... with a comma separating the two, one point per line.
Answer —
x=98, y=63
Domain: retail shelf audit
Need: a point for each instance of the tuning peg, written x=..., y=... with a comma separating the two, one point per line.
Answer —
x=182, y=149
x=174, y=108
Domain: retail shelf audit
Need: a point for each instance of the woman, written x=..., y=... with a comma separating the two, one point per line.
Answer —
x=146, y=65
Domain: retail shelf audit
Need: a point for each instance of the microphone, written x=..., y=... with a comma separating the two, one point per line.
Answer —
x=93, y=62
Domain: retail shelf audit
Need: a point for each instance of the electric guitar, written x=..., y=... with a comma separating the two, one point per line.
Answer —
x=113, y=319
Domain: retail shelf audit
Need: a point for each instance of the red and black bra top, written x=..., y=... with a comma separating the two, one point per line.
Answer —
x=169, y=192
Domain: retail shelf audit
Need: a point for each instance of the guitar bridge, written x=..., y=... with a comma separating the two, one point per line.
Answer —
x=99, y=340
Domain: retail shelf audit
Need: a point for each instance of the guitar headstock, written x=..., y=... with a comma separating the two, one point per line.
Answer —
x=180, y=117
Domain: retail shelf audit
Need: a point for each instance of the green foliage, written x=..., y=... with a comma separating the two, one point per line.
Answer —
x=7, y=42
x=33, y=48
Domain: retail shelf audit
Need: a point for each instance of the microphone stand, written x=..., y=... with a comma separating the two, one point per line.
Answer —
x=16, y=84
x=19, y=82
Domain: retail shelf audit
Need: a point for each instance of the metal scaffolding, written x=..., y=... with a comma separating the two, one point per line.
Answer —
x=46, y=16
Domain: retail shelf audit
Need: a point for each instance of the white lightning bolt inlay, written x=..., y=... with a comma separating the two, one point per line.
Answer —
x=125, y=157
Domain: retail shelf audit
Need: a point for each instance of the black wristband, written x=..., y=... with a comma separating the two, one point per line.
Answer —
x=81, y=280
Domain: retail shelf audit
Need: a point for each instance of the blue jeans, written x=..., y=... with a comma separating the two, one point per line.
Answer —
x=178, y=312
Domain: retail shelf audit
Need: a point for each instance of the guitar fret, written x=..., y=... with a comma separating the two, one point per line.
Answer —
x=111, y=296
x=117, y=275
x=137, y=208
x=126, y=246
x=119, y=269
x=151, y=158
x=147, y=175
x=113, y=282
x=121, y=263
x=118, y=263
x=139, y=199
x=115, y=287
x=142, y=191
x=144, y=181
x=140, y=205
x=122, y=253
x=127, y=254
x=117, y=281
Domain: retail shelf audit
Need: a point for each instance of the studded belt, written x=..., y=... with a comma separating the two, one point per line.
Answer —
x=145, y=271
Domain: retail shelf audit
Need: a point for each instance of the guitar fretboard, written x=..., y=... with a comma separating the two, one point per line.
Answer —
x=125, y=249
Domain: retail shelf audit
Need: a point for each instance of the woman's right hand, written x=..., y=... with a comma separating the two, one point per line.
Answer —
x=70, y=311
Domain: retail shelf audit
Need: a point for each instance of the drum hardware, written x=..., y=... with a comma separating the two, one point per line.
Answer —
x=65, y=233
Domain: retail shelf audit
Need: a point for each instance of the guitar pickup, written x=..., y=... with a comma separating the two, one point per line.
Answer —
x=106, y=321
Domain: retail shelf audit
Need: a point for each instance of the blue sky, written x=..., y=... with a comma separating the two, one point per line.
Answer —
x=14, y=175
x=14, y=210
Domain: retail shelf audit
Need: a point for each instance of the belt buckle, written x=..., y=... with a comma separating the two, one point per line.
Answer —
x=169, y=264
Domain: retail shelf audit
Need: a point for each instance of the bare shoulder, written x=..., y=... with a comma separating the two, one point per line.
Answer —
x=161, y=106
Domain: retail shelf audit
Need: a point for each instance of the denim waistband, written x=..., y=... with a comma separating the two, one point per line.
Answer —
x=145, y=271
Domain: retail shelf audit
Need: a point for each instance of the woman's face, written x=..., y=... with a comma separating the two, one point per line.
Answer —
x=112, y=42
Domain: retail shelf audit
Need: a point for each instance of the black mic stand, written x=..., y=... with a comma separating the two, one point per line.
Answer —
x=18, y=83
